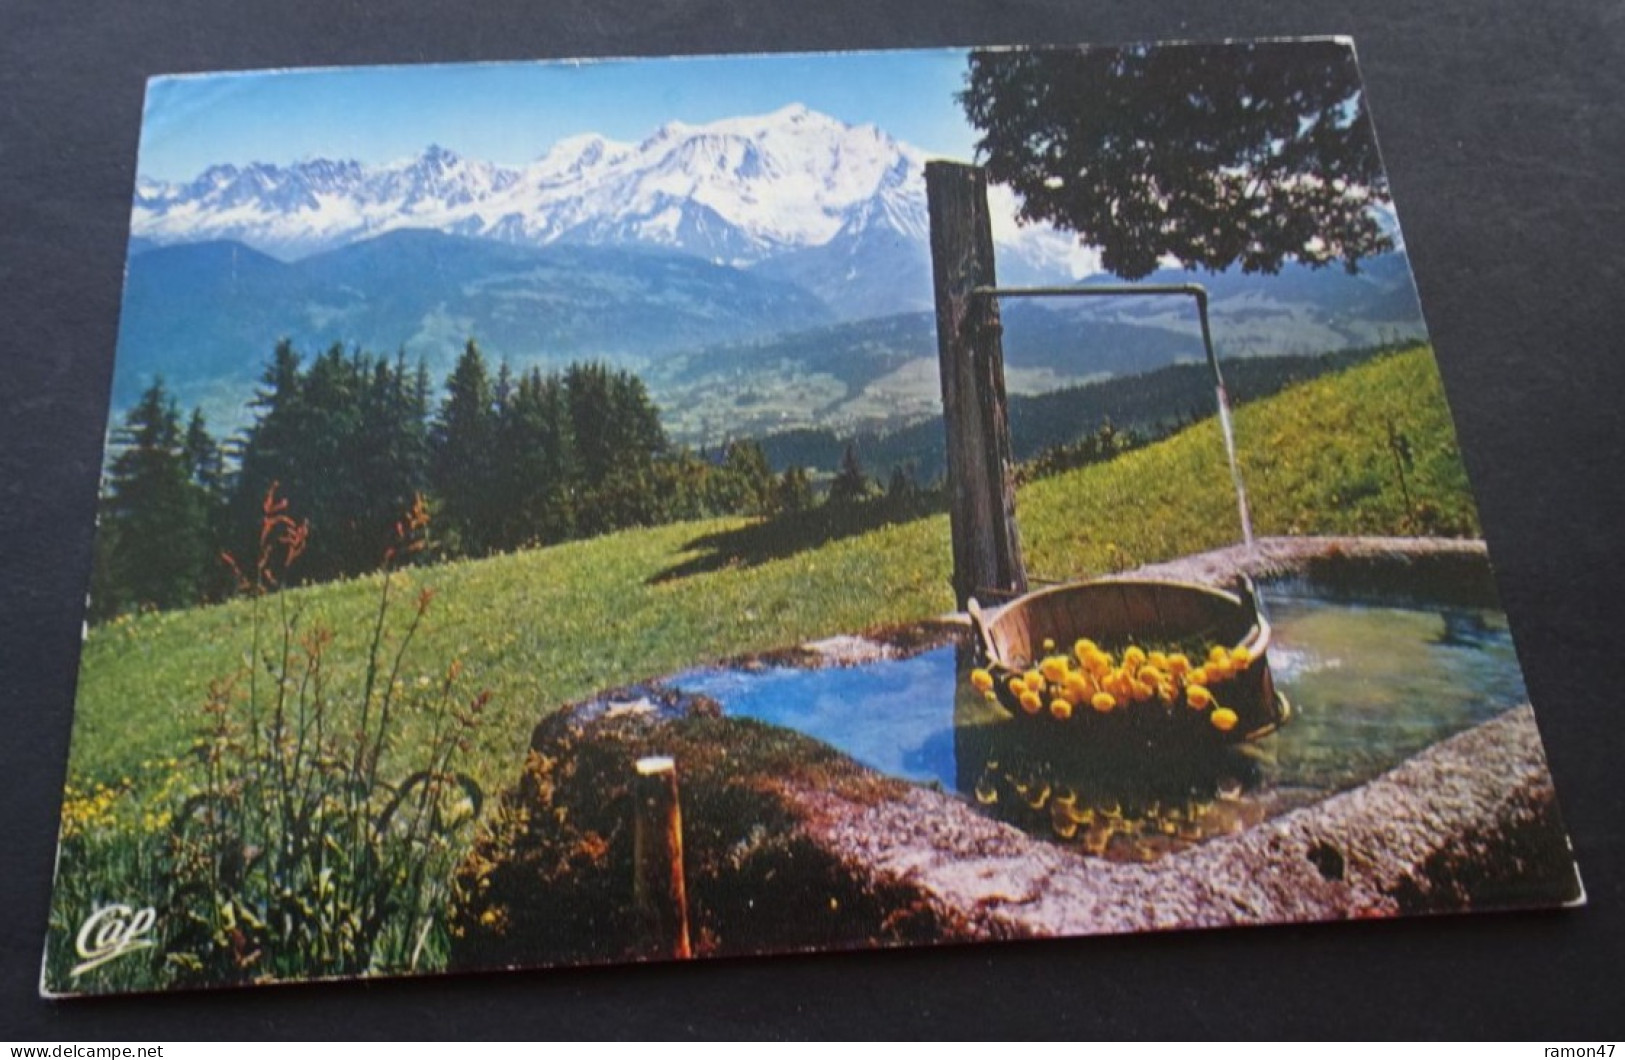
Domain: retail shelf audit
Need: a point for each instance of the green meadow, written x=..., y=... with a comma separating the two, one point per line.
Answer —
x=1369, y=450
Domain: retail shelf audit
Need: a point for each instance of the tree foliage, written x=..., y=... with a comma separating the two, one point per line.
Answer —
x=465, y=463
x=850, y=485
x=518, y=460
x=1213, y=155
x=153, y=545
x=347, y=437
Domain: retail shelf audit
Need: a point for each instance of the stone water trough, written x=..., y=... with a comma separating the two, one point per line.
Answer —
x=787, y=844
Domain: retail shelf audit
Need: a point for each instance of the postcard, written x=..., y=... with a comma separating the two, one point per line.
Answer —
x=583, y=512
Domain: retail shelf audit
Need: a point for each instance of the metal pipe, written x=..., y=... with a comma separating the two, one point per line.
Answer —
x=1192, y=290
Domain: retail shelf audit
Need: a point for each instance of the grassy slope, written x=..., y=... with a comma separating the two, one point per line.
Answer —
x=541, y=628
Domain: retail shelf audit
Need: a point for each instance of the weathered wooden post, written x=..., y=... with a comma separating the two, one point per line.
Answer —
x=658, y=887
x=970, y=353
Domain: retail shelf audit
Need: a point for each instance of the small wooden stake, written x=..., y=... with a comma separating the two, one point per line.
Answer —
x=657, y=860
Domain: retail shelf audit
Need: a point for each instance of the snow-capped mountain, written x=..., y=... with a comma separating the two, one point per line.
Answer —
x=794, y=184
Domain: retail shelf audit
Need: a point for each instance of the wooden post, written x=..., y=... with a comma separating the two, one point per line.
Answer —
x=657, y=857
x=970, y=353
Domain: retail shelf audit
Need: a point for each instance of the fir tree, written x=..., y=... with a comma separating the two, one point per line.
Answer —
x=154, y=550
x=851, y=485
x=465, y=463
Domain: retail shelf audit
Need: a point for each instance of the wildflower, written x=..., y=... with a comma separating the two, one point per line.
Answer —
x=1240, y=656
x=1031, y=702
x=1103, y=702
x=1060, y=709
x=1084, y=648
x=1054, y=669
x=981, y=680
x=1224, y=719
x=1198, y=697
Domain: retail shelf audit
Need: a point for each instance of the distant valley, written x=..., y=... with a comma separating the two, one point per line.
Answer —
x=763, y=274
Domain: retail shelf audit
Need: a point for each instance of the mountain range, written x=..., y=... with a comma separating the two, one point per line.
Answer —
x=764, y=272
x=741, y=191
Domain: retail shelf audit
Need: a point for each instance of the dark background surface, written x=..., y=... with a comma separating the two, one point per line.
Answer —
x=1503, y=127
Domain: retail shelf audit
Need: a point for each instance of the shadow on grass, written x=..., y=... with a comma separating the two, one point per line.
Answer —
x=785, y=535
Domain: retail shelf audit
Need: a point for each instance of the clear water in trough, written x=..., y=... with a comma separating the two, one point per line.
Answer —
x=1370, y=685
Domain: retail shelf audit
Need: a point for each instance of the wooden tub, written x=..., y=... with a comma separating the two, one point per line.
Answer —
x=1119, y=613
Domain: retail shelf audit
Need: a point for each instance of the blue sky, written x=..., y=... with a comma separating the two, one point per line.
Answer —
x=513, y=112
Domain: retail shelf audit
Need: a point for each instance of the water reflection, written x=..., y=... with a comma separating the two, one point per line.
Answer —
x=1110, y=802
x=1370, y=686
